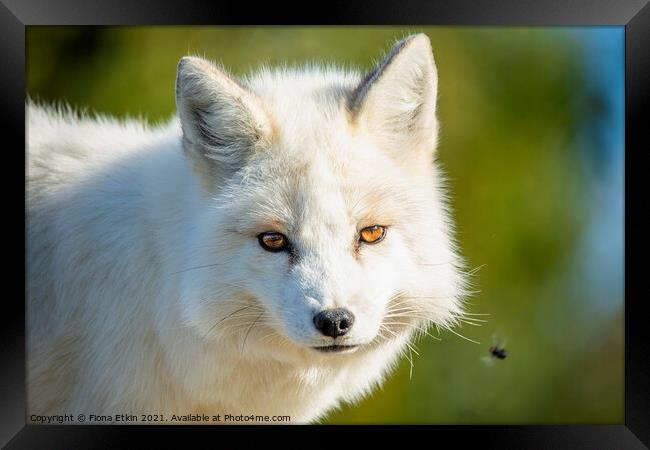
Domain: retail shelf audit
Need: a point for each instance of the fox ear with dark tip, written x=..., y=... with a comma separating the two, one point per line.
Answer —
x=396, y=102
x=221, y=120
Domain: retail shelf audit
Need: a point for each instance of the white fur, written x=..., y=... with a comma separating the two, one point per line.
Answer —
x=148, y=292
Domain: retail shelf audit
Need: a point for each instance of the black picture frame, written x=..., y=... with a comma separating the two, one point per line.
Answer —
x=15, y=15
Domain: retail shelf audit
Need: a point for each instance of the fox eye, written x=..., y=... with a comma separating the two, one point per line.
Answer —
x=273, y=241
x=373, y=234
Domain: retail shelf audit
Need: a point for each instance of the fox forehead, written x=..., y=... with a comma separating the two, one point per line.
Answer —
x=316, y=193
x=321, y=173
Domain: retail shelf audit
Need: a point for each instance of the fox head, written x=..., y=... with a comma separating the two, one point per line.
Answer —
x=323, y=230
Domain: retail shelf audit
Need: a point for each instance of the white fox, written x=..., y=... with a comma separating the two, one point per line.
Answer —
x=269, y=252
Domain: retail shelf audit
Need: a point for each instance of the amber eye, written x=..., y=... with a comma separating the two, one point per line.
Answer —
x=372, y=234
x=273, y=241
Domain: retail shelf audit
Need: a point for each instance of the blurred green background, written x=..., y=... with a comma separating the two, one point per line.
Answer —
x=532, y=141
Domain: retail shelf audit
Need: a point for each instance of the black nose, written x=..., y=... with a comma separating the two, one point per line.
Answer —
x=334, y=322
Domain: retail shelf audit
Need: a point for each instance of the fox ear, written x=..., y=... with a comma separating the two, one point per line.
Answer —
x=221, y=119
x=396, y=102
